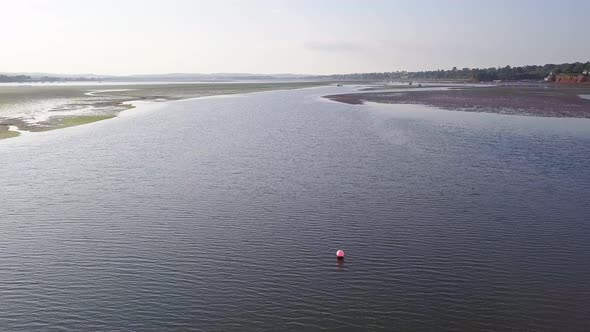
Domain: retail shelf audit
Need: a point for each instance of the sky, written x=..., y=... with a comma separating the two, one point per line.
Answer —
x=123, y=37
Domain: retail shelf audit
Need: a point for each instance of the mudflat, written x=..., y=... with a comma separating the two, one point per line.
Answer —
x=38, y=107
x=546, y=100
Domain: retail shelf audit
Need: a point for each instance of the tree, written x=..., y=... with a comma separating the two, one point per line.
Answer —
x=578, y=68
x=508, y=73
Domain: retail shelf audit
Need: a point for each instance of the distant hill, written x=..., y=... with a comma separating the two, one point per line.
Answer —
x=37, y=75
x=208, y=77
x=177, y=77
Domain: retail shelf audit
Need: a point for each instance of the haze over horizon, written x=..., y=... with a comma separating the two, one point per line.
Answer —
x=272, y=37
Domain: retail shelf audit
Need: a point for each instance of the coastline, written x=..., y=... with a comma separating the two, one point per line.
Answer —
x=539, y=100
x=67, y=106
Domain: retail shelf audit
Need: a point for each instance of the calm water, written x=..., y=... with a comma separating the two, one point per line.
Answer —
x=225, y=214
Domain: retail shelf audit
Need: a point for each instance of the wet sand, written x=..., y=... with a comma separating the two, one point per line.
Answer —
x=532, y=100
x=32, y=107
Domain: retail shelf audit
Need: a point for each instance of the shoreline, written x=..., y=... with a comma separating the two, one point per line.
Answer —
x=568, y=102
x=89, y=104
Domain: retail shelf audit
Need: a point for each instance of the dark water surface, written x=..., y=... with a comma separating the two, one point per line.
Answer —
x=225, y=214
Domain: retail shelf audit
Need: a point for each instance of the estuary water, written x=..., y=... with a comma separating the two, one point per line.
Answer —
x=225, y=214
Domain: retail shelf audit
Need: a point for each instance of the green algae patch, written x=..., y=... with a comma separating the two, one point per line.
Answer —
x=80, y=120
x=5, y=133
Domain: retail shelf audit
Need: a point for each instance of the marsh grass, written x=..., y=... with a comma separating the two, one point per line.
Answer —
x=80, y=120
x=5, y=133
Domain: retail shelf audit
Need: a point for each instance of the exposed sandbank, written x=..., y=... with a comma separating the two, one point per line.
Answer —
x=40, y=108
x=533, y=100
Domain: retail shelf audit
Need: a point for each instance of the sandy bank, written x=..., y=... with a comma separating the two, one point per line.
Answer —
x=546, y=101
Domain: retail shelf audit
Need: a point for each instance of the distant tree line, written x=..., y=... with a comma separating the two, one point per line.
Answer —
x=27, y=78
x=507, y=73
x=18, y=78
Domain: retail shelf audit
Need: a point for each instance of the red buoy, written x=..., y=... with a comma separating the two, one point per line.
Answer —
x=340, y=254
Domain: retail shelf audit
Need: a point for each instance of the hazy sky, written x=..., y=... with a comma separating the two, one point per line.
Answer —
x=296, y=36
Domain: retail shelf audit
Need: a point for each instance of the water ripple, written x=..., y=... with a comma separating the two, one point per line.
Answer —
x=224, y=214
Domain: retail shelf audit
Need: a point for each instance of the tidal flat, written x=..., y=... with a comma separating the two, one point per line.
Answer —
x=545, y=100
x=41, y=107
